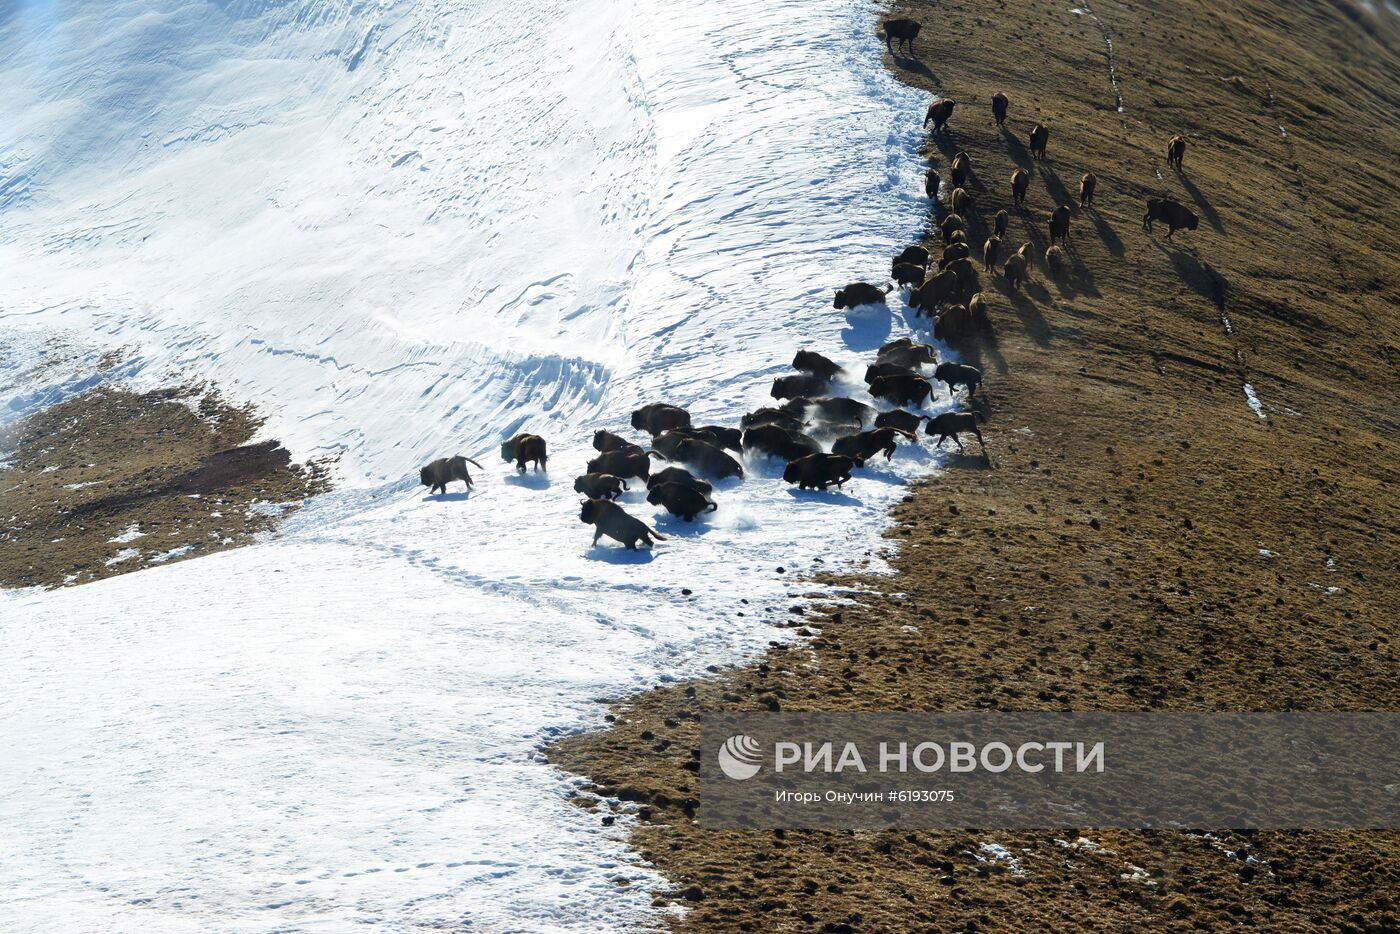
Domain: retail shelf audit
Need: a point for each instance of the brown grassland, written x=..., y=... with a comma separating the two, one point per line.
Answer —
x=1145, y=539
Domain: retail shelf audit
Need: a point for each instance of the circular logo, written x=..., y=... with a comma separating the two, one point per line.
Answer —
x=739, y=757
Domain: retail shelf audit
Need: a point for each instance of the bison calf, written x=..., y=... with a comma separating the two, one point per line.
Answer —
x=600, y=485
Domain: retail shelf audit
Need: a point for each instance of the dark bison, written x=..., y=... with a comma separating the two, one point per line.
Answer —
x=608, y=518
x=966, y=274
x=958, y=374
x=1176, y=149
x=680, y=500
x=960, y=201
x=818, y=471
x=903, y=31
x=681, y=476
x=991, y=250
x=951, y=224
x=834, y=410
x=902, y=389
x=1175, y=216
x=659, y=417
x=1039, y=137
x=808, y=361
x=934, y=292
x=977, y=307
x=999, y=102
x=960, y=168
x=444, y=470
x=915, y=255
x=1020, y=181
x=898, y=418
x=859, y=293
x=999, y=228
x=771, y=416
x=939, y=113
x=1056, y=262
x=708, y=459
x=721, y=436
x=907, y=274
x=604, y=440
x=931, y=182
x=622, y=464
x=867, y=444
x=1059, y=224
x=950, y=424
x=772, y=441
x=1087, y=183
x=877, y=370
x=600, y=485
x=790, y=387
x=907, y=353
x=954, y=325
x=524, y=449
x=953, y=251
x=1017, y=268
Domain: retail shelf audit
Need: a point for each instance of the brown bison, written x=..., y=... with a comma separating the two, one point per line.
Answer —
x=818, y=471
x=977, y=307
x=600, y=485
x=721, y=436
x=903, y=31
x=960, y=201
x=1176, y=150
x=958, y=374
x=1056, y=262
x=1059, y=224
x=1175, y=216
x=934, y=292
x=772, y=441
x=835, y=410
x=1020, y=182
x=960, y=168
x=444, y=470
x=608, y=518
x=907, y=274
x=954, y=325
x=523, y=449
x=914, y=255
x=1039, y=137
x=901, y=389
x=999, y=102
x=680, y=500
x=939, y=112
x=809, y=361
x=953, y=252
x=904, y=351
x=1016, y=269
x=659, y=417
x=965, y=272
x=950, y=424
x=771, y=416
x=864, y=446
x=622, y=464
x=991, y=250
x=683, y=477
x=859, y=293
x=604, y=440
x=949, y=224
x=878, y=369
x=790, y=387
x=898, y=418
x=1087, y=184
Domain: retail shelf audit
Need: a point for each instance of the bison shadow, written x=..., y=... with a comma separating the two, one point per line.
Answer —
x=534, y=480
x=1032, y=321
x=867, y=327
x=1201, y=277
x=914, y=65
x=1019, y=153
x=463, y=496
x=825, y=496
x=1202, y=202
x=1110, y=238
x=965, y=460
x=1055, y=188
x=617, y=554
x=986, y=349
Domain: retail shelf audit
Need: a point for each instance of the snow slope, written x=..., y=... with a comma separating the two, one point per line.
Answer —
x=409, y=230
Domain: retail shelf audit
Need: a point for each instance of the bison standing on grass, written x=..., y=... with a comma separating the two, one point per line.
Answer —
x=990, y=251
x=1059, y=224
x=999, y=102
x=1020, y=182
x=1176, y=149
x=950, y=424
x=903, y=31
x=1039, y=137
x=444, y=470
x=1087, y=183
x=1175, y=216
x=960, y=168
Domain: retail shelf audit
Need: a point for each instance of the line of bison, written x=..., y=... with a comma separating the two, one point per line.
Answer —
x=823, y=437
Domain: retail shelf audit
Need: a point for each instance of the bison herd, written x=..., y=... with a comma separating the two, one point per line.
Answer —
x=821, y=436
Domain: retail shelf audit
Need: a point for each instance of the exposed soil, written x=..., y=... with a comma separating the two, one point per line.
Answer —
x=1147, y=539
x=112, y=481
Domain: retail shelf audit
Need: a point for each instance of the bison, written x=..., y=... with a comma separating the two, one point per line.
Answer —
x=838, y=410
x=902, y=388
x=818, y=471
x=958, y=374
x=1059, y=224
x=1175, y=216
x=720, y=436
x=683, y=477
x=904, y=31
x=999, y=228
x=600, y=485
x=960, y=168
x=952, y=252
x=1040, y=135
x=877, y=370
x=444, y=470
x=990, y=251
x=772, y=441
x=523, y=449
x=680, y=500
x=610, y=519
x=859, y=293
x=622, y=464
x=934, y=292
x=708, y=459
x=898, y=418
x=914, y=255
x=1087, y=183
x=907, y=274
x=1056, y=262
x=939, y=112
x=999, y=102
x=950, y=424
x=905, y=352
x=809, y=361
x=604, y=440
x=1176, y=149
x=789, y=387
x=1020, y=181
x=771, y=416
x=659, y=417
x=960, y=201
x=931, y=183
x=867, y=444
